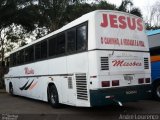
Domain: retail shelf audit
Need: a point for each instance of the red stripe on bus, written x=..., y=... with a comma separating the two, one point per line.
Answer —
x=33, y=85
x=155, y=58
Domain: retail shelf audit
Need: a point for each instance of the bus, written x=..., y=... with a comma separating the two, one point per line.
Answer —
x=154, y=45
x=99, y=59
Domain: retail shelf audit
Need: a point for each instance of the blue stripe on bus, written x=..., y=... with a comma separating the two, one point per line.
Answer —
x=155, y=70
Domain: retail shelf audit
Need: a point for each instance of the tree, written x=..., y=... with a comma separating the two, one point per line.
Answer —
x=127, y=6
x=152, y=19
x=105, y=5
x=52, y=12
x=16, y=16
x=16, y=19
x=76, y=10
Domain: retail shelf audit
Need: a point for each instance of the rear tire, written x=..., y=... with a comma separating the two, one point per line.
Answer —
x=156, y=91
x=53, y=96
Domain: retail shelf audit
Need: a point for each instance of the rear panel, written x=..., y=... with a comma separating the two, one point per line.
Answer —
x=119, y=31
x=119, y=66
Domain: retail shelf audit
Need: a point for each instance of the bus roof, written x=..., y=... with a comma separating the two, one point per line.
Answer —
x=75, y=22
x=153, y=32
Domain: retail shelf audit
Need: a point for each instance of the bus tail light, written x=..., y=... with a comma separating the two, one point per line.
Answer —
x=141, y=80
x=115, y=83
x=147, y=80
x=105, y=83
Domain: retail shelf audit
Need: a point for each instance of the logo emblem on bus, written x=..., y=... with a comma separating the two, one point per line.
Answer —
x=28, y=70
x=124, y=63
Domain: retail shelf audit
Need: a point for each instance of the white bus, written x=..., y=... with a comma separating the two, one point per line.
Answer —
x=98, y=59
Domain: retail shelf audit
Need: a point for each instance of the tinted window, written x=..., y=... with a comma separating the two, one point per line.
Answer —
x=60, y=44
x=44, y=49
x=29, y=54
x=82, y=38
x=17, y=57
x=155, y=51
x=71, y=41
x=52, y=47
x=37, y=51
x=41, y=50
x=13, y=59
x=21, y=57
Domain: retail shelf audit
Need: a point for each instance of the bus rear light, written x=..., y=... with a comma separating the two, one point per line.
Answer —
x=115, y=83
x=105, y=83
x=147, y=80
x=141, y=80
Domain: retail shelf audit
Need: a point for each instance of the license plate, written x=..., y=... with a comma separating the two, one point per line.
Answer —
x=131, y=92
x=128, y=77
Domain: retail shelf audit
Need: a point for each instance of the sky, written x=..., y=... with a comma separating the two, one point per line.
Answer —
x=142, y=4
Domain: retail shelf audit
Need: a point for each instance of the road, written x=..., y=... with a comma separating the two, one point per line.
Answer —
x=21, y=108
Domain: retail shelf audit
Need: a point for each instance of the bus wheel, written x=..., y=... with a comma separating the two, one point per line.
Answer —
x=53, y=96
x=156, y=91
x=11, y=89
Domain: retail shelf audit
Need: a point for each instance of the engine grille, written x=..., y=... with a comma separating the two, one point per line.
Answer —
x=81, y=85
x=146, y=63
x=104, y=63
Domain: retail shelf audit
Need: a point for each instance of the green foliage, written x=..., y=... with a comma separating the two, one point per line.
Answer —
x=133, y=10
x=76, y=10
x=148, y=27
x=17, y=12
x=105, y=5
x=52, y=12
x=124, y=5
x=136, y=11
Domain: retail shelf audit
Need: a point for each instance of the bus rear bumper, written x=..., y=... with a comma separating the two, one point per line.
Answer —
x=102, y=97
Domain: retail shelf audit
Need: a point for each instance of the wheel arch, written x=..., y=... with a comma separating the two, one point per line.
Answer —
x=155, y=85
x=10, y=84
x=156, y=81
x=50, y=84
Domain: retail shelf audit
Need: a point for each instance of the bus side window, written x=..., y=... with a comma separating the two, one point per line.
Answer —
x=60, y=44
x=44, y=49
x=82, y=38
x=14, y=59
x=52, y=47
x=11, y=60
x=18, y=57
x=38, y=51
x=7, y=61
x=21, y=57
x=71, y=41
x=29, y=54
